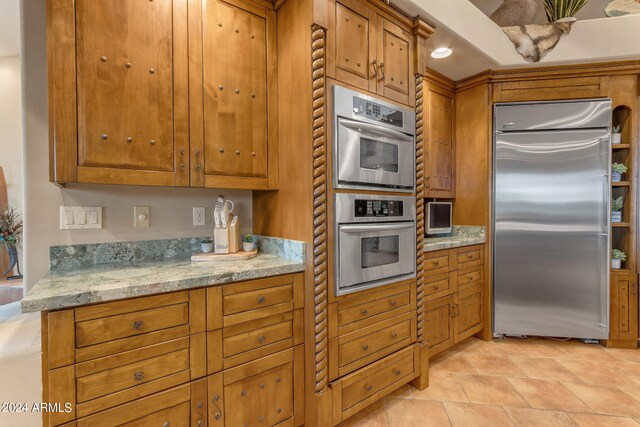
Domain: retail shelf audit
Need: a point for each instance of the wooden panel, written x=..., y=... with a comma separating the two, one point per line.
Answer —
x=439, y=130
x=124, y=325
x=557, y=88
x=373, y=308
x=353, y=41
x=61, y=391
x=258, y=299
x=624, y=309
x=116, y=67
x=198, y=355
x=199, y=403
x=469, y=277
x=197, y=311
x=439, y=262
x=129, y=305
x=468, y=312
x=373, y=342
x=469, y=256
x=61, y=339
x=439, y=286
x=214, y=308
x=137, y=410
x=215, y=391
x=175, y=415
x=439, y=325
x=395, y=54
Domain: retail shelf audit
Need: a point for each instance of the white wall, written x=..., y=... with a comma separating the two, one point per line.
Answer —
x=11, y=128
x=171, y=208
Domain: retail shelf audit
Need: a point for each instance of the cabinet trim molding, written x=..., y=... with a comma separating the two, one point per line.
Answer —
x=420, y=207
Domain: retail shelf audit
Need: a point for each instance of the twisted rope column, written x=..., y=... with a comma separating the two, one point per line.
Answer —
x=420, y=209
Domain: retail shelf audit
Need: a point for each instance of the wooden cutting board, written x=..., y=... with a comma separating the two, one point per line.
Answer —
x=238, y=256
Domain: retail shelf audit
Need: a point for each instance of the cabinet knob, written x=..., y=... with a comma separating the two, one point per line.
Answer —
x=470, y=277
x=393, y=303
x=152, y=70
x=346, y=58
x=253, y=95
x=103, y=58
x=261, y=339
x=469, y=256
x=104, y=136
x=436, y=287
x=394, y=335
x=365, y=312
x=221, y=150
x=262, y=385
x=253, y=153
x=277, y=379
x=238, y=152
x=279, y=410
x=252, y=36
x=261, y=299
x=138, y=376
x=397, y=372
x=365, y=347
x=128, y=65
x=138, y=324
x=129, y=140
x=237, y=91
x=220, y=87
x=166, y=424
x=368, y=387
x=436, y=263
x=152, y=142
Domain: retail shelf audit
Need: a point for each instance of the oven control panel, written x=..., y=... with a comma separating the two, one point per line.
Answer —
x=378, y=208
x=377, y=112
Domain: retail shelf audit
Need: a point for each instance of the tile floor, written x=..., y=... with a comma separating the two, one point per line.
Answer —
x=514, y=382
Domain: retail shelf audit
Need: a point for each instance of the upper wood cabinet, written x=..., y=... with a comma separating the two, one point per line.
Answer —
x=439, y=132
x=370, y=52
x=233, y=92
x=118, y=109
x=163, y=92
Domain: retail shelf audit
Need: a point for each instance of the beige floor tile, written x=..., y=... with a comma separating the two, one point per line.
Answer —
x=538, y=347
x=543, y=368
x=492, y=364
x=593, y=420
x=632, y=370
x=450, y=362
x=606, y=400
x=547, y=394
x=633, y=391
x=526, y=417
x=625, y=354
x=596, y=372
x=576, y=349
x=418, y=413
x=503, y=347
x=372, y=416
x=404, y=392
x=470, y=415
x=443, y=387
x=491, y=390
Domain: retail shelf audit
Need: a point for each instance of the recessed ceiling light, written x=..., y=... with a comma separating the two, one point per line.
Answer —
x=441, y=52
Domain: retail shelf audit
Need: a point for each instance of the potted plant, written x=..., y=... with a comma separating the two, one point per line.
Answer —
x=206, y=245
x=10, y=232
x=616, y=137
x=617, y=256
x=617, y=169
x=616, y=209
x=248, y=243
x=559, y=9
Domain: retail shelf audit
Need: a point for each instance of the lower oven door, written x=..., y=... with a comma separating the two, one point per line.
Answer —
x=372, y=255
x=373, y=156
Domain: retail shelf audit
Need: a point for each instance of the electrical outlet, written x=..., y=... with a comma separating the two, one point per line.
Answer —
x=141, y=216
x=199, y=216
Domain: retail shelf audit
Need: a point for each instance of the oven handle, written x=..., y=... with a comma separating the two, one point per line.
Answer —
x=362, y=127
x=374, y=227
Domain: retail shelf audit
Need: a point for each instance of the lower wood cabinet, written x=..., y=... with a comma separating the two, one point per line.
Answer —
x=623, y=328
x=454, y=283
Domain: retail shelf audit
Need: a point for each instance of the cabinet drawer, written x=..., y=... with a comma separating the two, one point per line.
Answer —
x=438, y=262
x=257, y=299
x=257, y=337
x=469, y=277
x=374, y=308
x=111, y=328
x=159, y=409
x=355, y=391
x=469, y=256
x=438, y=286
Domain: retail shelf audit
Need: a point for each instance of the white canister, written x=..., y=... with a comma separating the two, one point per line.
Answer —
x=206, y=247
x=616, y=216
x=616, y=176
x=248, y=246
x=616, y=138
x=615, y=264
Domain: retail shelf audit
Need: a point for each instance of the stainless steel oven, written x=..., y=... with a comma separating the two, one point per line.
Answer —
x=375, y=240
x=374, y=145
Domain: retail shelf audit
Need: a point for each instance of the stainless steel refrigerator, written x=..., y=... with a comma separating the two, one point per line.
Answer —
x=551, y=214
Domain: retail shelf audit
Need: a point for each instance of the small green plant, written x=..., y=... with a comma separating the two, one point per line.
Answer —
x=248, y=238
x=617, y=204
x=558, y=9
x=618, y=254
x=619, y=168
x=206, y=241
x=616, y=129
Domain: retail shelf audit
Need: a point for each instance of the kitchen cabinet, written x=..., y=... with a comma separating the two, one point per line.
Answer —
x=439, y=132
x=454, y=285
x=233, y=91
x=223, y=355
x=624, y=309
x=370, y=52
x=118, y=110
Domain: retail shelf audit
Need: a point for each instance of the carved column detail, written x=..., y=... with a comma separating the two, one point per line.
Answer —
x=420, y=208
x=318, y=38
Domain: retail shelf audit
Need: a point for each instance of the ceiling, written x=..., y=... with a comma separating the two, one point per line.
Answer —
x=479, y=44
x=9, y=27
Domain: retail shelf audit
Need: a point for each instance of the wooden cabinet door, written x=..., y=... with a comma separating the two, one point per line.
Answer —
x=235, y=143
x=440, y=156
x=624, y=306
x=468, y=313
x=355, y=44
x=395, y=65
x=131, y=99
x=439, y=324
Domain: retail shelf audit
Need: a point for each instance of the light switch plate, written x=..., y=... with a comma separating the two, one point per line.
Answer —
x=199, y=216
x=141, y=216
x=80, y=217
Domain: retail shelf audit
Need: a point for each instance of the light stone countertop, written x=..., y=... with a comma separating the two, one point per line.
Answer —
x=462, y=235
x=64, y=289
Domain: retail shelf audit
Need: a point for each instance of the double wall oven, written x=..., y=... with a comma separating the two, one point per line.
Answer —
x=374, y=150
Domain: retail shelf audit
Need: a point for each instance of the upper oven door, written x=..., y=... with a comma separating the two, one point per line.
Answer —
x=374, y=254
x=373, y=156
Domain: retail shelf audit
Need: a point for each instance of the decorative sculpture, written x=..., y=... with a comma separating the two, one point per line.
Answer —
x=533, y=41
x=515, y=12
x=622, y=7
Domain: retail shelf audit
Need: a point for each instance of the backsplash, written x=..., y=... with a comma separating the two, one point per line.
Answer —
x=87, y=255
x=463, y=231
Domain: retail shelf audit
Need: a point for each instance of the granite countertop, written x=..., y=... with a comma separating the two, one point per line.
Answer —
x=460, y=236
x=70, y=287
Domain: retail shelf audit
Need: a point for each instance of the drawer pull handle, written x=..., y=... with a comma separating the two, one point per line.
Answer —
x=457, y=309
x=453, y=310
x=469, y=256
x=470, y=277
x=394, y=335
x=217, y=414
x=365, y=347
x=436, y=263
x=397, y=372
x=261, y=299
x=368, y=387
x=365, y=312
x=278, y=411
x=393, y=303
x=262, y=385
x=436, y=287
x=166, y=424
x=139, y=376
x=277, y=379
x=261, y=339
x=138, y=324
